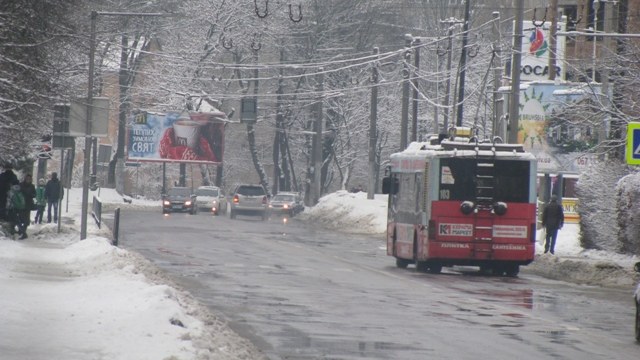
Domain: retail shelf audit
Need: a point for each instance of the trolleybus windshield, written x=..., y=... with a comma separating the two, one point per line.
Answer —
x=509, y=179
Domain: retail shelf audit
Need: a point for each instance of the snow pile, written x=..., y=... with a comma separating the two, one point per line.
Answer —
x=597, y=192
x=350, y=212
x=628, y=213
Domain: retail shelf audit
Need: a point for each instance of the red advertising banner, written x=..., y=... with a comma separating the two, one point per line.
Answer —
x=194, y=137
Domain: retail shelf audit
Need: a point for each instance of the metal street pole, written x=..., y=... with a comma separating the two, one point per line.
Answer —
x=87, y=138
x=447, y=109
x=497, y=126
x=317, y=141
x=89, y=115
x=514, y=101
x=404, y=117
x=463, y=62
x=373, y=129
x=553, y=39
x=414, y=110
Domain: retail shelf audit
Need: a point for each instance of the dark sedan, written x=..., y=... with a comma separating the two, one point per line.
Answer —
x=179, y=199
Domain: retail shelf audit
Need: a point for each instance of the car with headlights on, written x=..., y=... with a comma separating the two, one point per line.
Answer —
x=211, y=198
x=286, y=203
x=636, y=298
x=249, y=199
x=179, y=199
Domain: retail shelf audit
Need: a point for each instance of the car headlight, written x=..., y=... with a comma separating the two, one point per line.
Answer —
x=166, y=202
x=285, y=206
x=188, y=202
x=215, y=202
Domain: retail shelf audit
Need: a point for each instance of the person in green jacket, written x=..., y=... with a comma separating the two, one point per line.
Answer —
x=41, y=201
x=15, y=210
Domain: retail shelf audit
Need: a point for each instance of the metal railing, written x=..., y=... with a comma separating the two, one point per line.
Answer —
x=116, y=227
x=96, y=211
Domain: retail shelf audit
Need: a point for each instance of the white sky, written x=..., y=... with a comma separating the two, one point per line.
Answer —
x=63, y=298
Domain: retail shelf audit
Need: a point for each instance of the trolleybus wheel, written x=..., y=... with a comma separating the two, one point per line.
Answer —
x=435, y=268
x=421, y=266
x=512, y=270
x=402, y=263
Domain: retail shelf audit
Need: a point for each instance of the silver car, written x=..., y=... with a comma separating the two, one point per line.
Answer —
x=250, y=200
x=211, y=198
x=286, y=203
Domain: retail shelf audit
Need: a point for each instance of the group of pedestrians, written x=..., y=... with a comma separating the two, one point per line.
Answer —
x=18, y=199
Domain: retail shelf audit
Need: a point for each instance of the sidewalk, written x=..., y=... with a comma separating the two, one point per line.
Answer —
x=69, y=299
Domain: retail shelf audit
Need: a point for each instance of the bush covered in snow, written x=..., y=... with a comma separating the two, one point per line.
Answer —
x=628, y=213
x=596, y=191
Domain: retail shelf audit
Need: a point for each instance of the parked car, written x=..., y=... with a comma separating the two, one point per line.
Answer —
x=250, y=200
x=179, y=199
x=211, y=198
x=286, y=203
x=636, y=298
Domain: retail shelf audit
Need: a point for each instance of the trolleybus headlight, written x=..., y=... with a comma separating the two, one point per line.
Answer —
x=467, y=207
x=500, y=208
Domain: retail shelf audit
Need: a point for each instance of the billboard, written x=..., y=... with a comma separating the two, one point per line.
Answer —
x=190, y=137
x=535, y=51
x=540, y=101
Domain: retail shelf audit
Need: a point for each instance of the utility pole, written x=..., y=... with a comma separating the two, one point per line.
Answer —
x=436, y=109
x=414, y=112
x=317, y=142
x=278, y=165
x=89, y=115
x=497, y=126
x=404, y=121
x=463, y=62
x=610, y=23
x=447, y=111
x=87, y=138
x=373, y=128
x=516, y=51
x=553, y=39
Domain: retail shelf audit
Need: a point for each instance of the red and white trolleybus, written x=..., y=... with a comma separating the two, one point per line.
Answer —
x=461, y=202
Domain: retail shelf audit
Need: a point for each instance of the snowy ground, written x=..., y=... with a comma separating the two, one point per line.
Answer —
x=68, y=299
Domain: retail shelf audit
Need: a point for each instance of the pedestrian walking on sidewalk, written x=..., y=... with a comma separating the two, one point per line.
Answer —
x=53, y=192
x=41, y=201
x=29, y=193
x=15, y=210
x=7, y=178
x=552, y=221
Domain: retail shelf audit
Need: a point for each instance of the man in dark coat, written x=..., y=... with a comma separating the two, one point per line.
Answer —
x=552, y=220
x=53, y=193
x=7, y=178
x=29, y=193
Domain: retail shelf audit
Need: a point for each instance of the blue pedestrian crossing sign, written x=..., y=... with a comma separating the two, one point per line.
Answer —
x=633, y=143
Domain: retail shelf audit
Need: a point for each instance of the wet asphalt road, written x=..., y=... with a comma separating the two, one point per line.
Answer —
x=303, y=293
